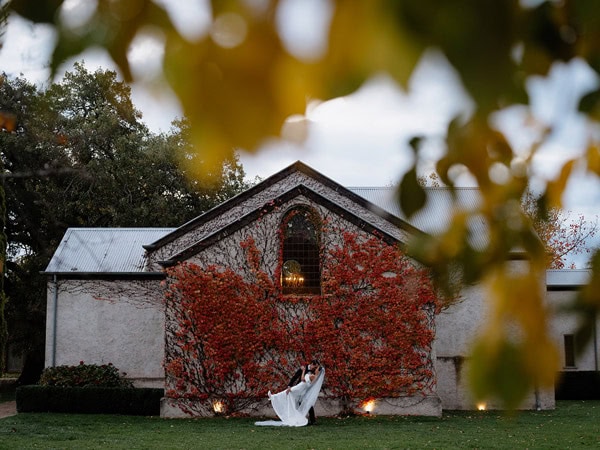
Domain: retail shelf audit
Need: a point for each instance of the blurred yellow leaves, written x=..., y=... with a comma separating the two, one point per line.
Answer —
x=515, y=352
x=236, y=96
x=365, y=39
x=593, y=158
x=238, y=86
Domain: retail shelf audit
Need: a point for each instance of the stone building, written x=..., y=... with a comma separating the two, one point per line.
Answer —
x=105, y=301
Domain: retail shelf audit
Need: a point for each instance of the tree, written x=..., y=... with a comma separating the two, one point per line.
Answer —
x=17, y=99
x=3, y=299
x=561, y=235
x=238, y=84
x=80, y=156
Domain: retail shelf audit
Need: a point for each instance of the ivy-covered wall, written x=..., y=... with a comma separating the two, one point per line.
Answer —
x=231, y=333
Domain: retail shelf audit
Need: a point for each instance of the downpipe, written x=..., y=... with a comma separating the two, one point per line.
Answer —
x=595, y=341
x=54, y=320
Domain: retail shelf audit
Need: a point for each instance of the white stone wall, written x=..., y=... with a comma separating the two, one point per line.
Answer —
x=457, y=327
x=98, y=324
x=563, y=323
x=227, y=253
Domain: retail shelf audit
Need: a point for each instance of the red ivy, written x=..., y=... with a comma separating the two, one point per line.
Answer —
x=233, y=336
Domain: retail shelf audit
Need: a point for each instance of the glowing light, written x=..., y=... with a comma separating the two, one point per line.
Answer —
x=481, y=406
x=218, y=406
x=292, y=272
x=294, y=280
x=368, y=405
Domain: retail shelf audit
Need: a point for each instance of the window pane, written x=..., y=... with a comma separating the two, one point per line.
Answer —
x=569, y=344
x=301, y=272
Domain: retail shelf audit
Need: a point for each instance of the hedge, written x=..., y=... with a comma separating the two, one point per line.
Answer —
x=84, y=375
x=89, y=400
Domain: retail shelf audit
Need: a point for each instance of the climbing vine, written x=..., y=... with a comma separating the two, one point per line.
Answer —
x=232, y=335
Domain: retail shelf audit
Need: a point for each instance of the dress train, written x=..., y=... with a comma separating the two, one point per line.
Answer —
x=292, y=408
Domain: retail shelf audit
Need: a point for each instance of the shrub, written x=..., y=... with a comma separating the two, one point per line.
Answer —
x=84, y=375
x=89, y=400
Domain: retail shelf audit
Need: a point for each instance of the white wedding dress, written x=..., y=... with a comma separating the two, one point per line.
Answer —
x=292, y=408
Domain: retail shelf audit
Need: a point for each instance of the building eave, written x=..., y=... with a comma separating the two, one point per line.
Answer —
x=298, y=166
x=106, y=275
x=299, y=190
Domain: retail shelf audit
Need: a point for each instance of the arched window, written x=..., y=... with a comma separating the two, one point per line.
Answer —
x=301, y=269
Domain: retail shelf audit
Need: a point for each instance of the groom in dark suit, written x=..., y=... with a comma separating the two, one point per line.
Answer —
x=297, y=377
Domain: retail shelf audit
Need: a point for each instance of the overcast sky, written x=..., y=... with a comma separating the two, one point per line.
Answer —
x=358, y=140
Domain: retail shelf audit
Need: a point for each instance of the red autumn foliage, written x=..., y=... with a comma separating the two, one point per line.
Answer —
x=219, y=327
x=374, y=325
x=233, y=336
x=563, y=235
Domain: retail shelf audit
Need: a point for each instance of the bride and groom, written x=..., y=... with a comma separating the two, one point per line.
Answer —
x=293, y=404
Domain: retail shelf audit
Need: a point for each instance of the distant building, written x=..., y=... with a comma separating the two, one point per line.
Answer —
x=579, y=378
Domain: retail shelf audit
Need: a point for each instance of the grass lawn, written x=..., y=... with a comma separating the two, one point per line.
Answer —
x=571, y=425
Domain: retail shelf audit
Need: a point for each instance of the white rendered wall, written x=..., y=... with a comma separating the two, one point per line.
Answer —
x=457, y=327
x=129, y=334
x=564, y=323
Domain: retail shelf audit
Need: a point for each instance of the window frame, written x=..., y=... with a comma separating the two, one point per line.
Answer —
x=306, y=254
x=569, y=347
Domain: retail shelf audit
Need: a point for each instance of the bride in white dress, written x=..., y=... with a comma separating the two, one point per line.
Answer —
x=292, y=404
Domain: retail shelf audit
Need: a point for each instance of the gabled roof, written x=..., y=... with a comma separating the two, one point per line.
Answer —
x=90, y=252
x=299, y=167
x=103, y=250
x=255, y=214
x=435, y=216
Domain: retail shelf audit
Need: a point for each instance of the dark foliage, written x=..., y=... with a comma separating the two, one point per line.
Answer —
x=84, y=375
x=89, y=400
x=78, y=155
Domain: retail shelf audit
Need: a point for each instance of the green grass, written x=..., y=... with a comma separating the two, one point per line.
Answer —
x=571, y=425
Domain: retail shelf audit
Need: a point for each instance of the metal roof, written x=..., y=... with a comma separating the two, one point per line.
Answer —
x=120, y=250
x=103, y=250
x=435, y=216
x=567, y=277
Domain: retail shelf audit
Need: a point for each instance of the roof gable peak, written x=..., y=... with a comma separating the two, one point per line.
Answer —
x=287, y=172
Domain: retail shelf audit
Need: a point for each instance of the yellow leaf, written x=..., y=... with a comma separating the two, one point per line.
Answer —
x=497, y=371
x=556, y=187
x=593, y=158
x=365, y=39
x=236, y=97
x=8, y=121
x=514, y=352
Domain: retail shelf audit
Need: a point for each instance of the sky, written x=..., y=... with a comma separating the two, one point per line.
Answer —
x=357, y=140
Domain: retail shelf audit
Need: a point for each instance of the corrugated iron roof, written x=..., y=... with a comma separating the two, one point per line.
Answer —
x=120, y=250
x=435, y=216
x=103, y=250
x=567, y=277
